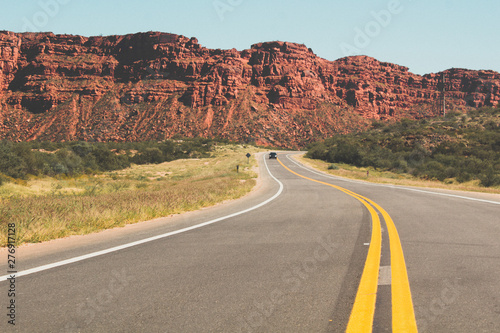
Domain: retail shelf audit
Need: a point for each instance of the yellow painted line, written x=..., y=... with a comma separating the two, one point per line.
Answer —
x=403, y=315
x=363, y=311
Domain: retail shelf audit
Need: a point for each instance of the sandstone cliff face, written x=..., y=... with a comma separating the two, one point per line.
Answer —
x=152, y=86
x=10, y=44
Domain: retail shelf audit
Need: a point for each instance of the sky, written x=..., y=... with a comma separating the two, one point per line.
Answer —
x=427, y=36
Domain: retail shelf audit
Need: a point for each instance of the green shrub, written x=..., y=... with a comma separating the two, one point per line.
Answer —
x=464, y=147
x=489, y=178
x=464, y=177
x=10, y=163
x=18, y=160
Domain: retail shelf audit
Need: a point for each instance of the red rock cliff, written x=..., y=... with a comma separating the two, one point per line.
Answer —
x=152, y=86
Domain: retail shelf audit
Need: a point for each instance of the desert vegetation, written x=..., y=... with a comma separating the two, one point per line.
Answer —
x=123, y=188
x=19, y=160
x=459, y=148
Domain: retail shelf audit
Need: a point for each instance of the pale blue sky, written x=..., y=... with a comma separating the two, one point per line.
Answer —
x=425, y=35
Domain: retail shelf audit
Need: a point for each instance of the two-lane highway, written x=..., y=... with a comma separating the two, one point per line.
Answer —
x=288, y=258
x=451, y=242
x=363, y=312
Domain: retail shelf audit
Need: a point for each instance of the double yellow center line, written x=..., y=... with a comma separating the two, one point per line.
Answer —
x=363, y=311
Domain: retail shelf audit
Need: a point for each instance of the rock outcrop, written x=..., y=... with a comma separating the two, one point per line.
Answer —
x=152, y=86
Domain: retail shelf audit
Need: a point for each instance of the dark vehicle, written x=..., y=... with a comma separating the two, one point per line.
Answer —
x=273, y=155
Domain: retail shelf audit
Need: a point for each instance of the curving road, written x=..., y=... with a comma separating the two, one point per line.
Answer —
x=287, y=258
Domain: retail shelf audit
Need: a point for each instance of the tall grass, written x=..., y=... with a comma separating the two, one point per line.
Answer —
x=388, y=177
x=120, y=198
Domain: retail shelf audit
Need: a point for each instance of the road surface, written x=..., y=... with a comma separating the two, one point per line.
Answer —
x=287, y=258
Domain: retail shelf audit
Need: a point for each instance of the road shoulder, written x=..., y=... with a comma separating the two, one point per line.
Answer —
x=494, y=197
x=32, y=255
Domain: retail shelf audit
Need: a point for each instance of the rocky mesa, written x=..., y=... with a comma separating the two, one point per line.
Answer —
x=153, y=86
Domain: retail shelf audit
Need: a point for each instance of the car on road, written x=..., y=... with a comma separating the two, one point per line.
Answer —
x=273, y=155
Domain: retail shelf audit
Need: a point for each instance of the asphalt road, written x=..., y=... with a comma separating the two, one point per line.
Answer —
x=292, y=264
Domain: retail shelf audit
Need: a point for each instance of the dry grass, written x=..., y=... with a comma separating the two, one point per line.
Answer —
x=48, y=208
x=387, y=177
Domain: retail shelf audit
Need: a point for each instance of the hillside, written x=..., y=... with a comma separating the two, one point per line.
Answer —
x=152, y=86
x=459, y=148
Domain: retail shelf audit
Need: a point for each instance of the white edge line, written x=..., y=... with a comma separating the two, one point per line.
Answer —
x=146, y=240
x=391, y=186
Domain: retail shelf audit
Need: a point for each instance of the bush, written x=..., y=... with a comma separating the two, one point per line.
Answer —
x=464, y=177
x=71, y=162
x=10, y=163
x=345, y=153
x=18, y=160
x=149, y=156
x=399, y=165
x=489, y=178
x=82, y=149
x=317, y=151
x=433, y=149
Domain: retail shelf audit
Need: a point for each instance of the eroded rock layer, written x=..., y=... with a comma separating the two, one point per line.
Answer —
x=152, y=86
